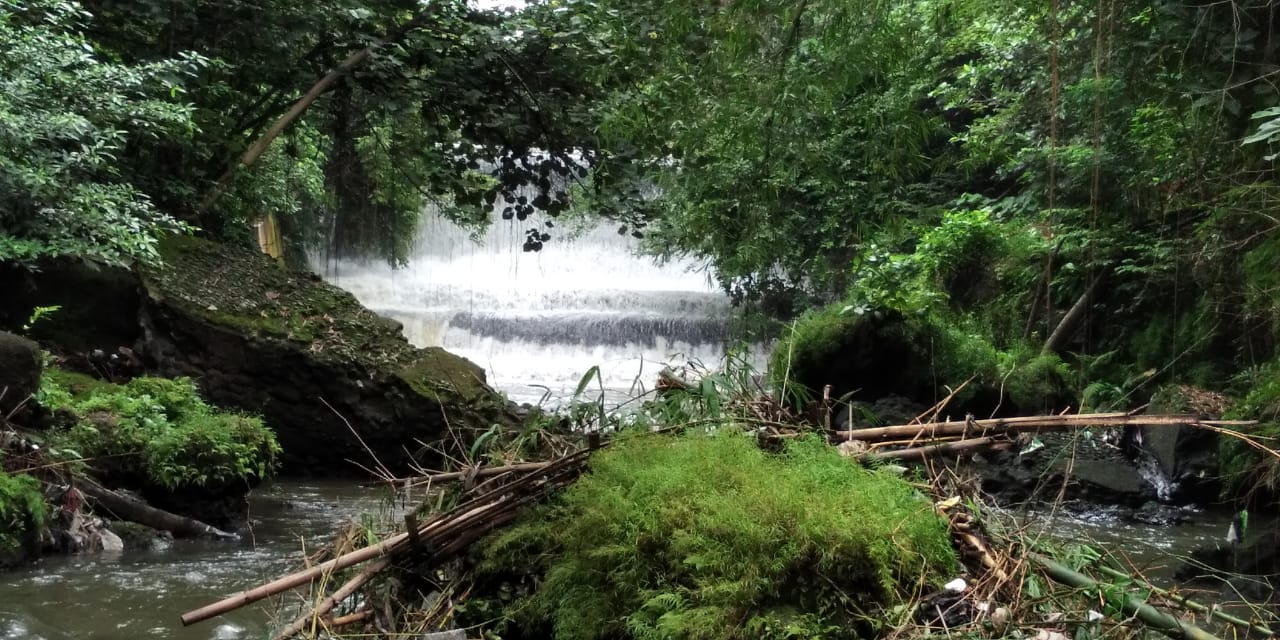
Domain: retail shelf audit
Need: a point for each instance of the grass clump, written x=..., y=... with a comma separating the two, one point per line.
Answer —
x=22, y=513
x=708, y=537
x=158, y=431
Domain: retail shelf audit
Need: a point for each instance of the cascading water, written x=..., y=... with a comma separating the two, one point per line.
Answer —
x=537, y=322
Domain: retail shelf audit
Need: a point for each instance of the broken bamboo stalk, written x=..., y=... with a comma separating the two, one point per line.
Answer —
x=489, y=507
x=297, y=579
x=1127, y=603
x=326, y=605
x=482, y=472
x=1184, y=601
x=1029, y=423
x=944, y=448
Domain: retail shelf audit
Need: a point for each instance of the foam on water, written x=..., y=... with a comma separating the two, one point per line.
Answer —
x=538, y=321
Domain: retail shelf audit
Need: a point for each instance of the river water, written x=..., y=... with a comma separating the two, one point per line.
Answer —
x=141, y=594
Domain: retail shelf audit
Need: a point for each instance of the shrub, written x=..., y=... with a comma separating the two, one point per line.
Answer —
x=1245, y=470
x=160, y=431
x=22, y=512
x=708, y=537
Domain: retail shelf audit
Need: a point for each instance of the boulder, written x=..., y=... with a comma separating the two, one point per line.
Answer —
x=20, y=369
x=340, y=385
x=873, y=355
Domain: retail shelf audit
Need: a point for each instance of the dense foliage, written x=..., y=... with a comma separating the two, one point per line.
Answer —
x=158, y=432
x=709, y=537
x=66, y=116
x=22, y=512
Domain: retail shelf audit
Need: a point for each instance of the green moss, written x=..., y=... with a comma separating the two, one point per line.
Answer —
x=709, y=537
x=158, y=430
x=243, y=290
x=22, y=513
x=437, y=373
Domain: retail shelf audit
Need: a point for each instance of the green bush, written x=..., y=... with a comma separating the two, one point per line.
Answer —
x=22, y=512
x=708, y=537
x=1245, y=470
x=160, y=431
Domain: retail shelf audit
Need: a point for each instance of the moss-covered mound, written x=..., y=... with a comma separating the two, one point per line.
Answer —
x=331, y=377
x=877, y=353
x=157, y=436
x=709, y=537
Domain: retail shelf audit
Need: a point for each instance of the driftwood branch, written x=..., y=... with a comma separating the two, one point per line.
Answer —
x=146, y=515
x=1031, y=424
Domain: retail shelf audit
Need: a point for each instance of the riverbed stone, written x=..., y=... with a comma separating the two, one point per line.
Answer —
x=20, y=369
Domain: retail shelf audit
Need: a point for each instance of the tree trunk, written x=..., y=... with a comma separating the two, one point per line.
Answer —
x=1071, y=322
x=143, y=514
x=325, y=83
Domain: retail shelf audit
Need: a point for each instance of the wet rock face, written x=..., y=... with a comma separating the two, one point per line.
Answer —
x=330, y=377
x=20, y=369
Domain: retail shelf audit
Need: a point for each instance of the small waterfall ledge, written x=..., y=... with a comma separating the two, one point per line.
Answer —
x=537, y=322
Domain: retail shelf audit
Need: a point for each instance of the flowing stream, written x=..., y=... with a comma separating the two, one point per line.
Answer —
x=140, y=594
x=539, y=321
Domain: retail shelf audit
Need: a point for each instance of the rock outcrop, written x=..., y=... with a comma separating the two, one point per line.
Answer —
x=340, y=385
x=20, y=367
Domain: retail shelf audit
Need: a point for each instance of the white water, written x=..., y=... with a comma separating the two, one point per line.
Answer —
x=537, y=322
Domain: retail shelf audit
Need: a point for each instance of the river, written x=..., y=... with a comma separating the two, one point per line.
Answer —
x=141, y=594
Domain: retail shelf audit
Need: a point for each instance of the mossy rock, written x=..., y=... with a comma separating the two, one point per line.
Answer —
x=649, y=543
x=20, y=368
x=335, y=381
x=876, y=354
x=95, y=307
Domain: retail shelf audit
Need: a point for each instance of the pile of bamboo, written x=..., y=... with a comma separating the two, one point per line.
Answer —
x=493, y=496
x=481, y=508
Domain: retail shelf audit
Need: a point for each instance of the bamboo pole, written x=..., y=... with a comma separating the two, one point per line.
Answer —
x=292, y=580
x=1184, y=601
x=491, y=507
x=1029, y=423
x=326, y=605
x=944, y=448
x=1127, y=603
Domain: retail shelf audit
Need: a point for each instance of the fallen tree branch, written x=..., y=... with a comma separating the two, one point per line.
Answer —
x=940, y=449
x=133, y=511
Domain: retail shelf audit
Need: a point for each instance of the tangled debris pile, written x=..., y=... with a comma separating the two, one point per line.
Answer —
x=693, y=531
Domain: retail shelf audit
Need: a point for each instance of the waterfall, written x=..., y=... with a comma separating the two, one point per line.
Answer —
x=537, y=322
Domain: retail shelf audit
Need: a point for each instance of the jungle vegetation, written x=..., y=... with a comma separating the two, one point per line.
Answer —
x=980, y=167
